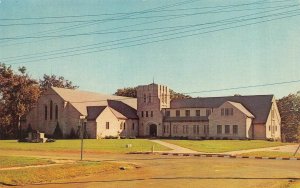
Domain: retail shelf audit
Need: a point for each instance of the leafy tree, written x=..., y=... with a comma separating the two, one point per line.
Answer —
x=132, y=92
x=127, y=92
x=18, y=94
x=55, y=81
x=175, y=95
x=289, y=108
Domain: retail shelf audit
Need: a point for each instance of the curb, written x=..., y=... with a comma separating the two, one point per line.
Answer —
x=217, y=156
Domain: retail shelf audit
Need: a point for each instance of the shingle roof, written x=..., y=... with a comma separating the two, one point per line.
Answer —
x=240, y=107
x=258, y=105
x=94, y=112
x=123, y=108
x=81, y=100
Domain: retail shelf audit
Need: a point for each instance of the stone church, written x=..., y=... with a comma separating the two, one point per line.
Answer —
x=153, y=114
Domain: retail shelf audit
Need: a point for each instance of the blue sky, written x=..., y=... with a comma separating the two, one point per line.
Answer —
x=256, y=54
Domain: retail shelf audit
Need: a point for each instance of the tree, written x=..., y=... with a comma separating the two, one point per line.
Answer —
x=132, y=92
x=175, y=95
x=55, y=81
x=57, y=134
x=18, y=94
x=289, y=109
x=127, y=92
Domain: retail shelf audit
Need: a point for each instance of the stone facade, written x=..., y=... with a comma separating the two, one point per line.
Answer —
x=153, y=114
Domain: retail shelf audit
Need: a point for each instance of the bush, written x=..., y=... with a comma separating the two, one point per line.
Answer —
x=111, y=137
x=211, y=138
x=132, y=137
x=225, y=138
x=57, y=132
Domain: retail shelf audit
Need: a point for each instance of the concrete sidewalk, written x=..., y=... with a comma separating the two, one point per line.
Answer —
x=175, y=148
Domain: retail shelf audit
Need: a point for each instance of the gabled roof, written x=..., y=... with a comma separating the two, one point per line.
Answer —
x=94, y=112
x=240, y=107
x=83, y=99
x=257, y=105
x=123, y=108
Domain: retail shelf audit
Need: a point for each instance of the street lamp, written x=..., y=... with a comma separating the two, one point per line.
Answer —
x=82, y=122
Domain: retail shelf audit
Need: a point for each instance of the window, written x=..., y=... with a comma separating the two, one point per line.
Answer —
x=121, y=125
x=198, y=129
x=219, y=129
x=195, y=129
x=275, y=128
x=146, y=113
x=206, y=129
x=226, y=111
x=222, y=111
x=168, y=113
x=46, y=112
x=145, y=99
x=186, y=129
x=166, y=99
x=208, y=112
x=51, y=109
x=142, y=113
x=56, y=112
x=124, y=126
x=177, y=113
x=107, y=125
x=269, y=127
x=132, y=126
x=235, y=129
x=187, y=113
x=151, y=114
x=227, y=129
x=175, y=128
x=197, y=112
x=149, y=98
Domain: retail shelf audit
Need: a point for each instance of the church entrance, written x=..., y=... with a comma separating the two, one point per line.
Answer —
x=153, y=130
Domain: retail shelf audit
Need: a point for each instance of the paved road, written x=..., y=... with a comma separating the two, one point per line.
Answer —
x=286, y=148
x=175, y=148
x=169, y=171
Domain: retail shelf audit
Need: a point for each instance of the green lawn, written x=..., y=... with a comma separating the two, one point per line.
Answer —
x=270, y=154
x=13, y=161
x=54, y=173
x=217, y=146
x=93, y=145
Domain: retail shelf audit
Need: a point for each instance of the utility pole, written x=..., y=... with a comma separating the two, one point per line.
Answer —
x=82, y=121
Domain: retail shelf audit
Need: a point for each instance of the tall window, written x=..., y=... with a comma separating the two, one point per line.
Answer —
x=107, y=125
x=206, y=129
x=187, y=113
x=208, y=112
x=51, y=109
x=56, y=112
x=149, y=98
x=177, y=113
x=222, y=111
x=151, y=113
x=121, y=125
x=197, y=112
x=145, y=99
x=132, y=126
x=146, y=113
x=186, y=129
x=142, y=113
x=227, y=129
x=219, y=129
x=235, y=129
x=46, y=112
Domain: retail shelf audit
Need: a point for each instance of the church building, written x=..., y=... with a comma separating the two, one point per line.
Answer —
x=154, y=114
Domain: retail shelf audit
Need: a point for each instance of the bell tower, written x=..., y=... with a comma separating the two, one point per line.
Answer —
x=151, y=99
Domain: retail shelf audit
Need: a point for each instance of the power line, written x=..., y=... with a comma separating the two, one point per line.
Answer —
x=113, y=32
x=128, y=15
x=203, y=91
x=124, y=13
x=144, y=39
x=67, y=28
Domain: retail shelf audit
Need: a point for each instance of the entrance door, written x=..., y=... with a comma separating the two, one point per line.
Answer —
x=153, y=130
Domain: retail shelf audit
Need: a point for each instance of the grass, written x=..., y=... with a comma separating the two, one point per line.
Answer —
x=13, y=161
x=218, y=146
x=57, y=173
x=92, y=145
x=270, y=154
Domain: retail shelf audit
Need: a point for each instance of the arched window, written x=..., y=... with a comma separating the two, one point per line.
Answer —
x=56, y=112
x=46, y=112
x=51, y=109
